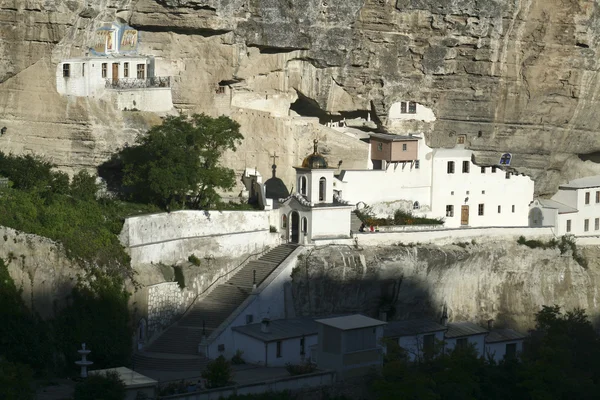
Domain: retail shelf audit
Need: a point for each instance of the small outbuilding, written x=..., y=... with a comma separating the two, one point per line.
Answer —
x=503, y=343
x=350, y=345
x=418, y=337
x=463, y=334
x=276, y=343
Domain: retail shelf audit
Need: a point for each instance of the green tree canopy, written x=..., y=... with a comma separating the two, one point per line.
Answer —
x=15, y=381
x=178, y=163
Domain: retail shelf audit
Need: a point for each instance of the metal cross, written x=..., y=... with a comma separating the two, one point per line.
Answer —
x=274, y=157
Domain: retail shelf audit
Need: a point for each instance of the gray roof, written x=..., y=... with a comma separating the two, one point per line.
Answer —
x=582, y=183
x=349, y=322
x=504, y=335
x=461, y=329
x=280, y=329
x=394, y=138
x=562, y=208
x=412, y=327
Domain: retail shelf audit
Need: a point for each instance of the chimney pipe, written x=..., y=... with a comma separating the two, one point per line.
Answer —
x=490, y=324
x=444, y=319
x=264, y=325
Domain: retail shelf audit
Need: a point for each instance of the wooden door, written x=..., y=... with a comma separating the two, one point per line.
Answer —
x=115, y=72
x=464, y=215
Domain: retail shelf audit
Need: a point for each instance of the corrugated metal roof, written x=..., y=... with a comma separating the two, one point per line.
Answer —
x=461, y=329
x=582, y=183
x=280, y=329
x=504, y=335
x=412, y=327
x=394, y=138
x=349, y=322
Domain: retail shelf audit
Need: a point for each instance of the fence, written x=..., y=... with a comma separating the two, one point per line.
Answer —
x=134, y=83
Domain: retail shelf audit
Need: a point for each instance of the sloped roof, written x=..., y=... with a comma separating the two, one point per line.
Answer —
x=280, y=329
x=461, y=329
x=412, y=327
x=394, y=138
x=582, y=183
x=349, y=322
x=504, y=335
x=562, y=208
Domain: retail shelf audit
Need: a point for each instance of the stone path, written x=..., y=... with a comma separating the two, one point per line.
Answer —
x=177, y=348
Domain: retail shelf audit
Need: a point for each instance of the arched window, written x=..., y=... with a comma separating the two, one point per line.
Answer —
x=302, y=185
x=284, y=221
x=416, y=205
x=304, y=225
x=322, y=185
x=505, y=159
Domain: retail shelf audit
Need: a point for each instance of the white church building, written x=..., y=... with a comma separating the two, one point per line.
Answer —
x=573, y=210
x=114, y=71
x=442, y=183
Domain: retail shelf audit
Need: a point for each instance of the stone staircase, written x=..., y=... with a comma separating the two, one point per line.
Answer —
x=355, y=222
x=177, y=348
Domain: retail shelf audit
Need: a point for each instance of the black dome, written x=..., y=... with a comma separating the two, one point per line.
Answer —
x=315, y=160
x=276, y=189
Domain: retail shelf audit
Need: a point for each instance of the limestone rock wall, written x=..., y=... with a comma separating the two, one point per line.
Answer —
x=502, y=281
x=515, y=75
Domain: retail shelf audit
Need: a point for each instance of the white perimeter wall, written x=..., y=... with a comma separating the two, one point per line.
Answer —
x=330, y=222
x=414, y=344
x=148, y=99
x=171, y=237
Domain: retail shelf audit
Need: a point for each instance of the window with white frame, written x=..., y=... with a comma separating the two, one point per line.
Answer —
x=417, y=164
x=597, y=224
x=586, y=225
x=416, y=205
x=66, y=70
x=450, y=167
x=568, y=225
x=480, y=209
x=465, y=167
x=404, y=147
x=449, y=210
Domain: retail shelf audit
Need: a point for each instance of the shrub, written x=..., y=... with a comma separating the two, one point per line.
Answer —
x=178, y=275
x=300, y=369
x=217, y=373
x=400, y=217
x=565, y=244
x=194, y=260
x=272, y=229
x=15, y=381
x=237, y=358
x=101, y=386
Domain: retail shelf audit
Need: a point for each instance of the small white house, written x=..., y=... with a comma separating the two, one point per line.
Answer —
x=349, y=345
x=115, y=72
x=503, y=343
x=418, y=337
x=573, y=210
x=314, y=211
x=464, y=334
x=276, y=343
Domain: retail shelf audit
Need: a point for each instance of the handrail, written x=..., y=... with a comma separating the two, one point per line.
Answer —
x=135, y=83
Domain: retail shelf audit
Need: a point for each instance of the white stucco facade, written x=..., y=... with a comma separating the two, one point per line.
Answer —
x=573, y=210
x=497, y=351
x=266, y=353
x=403, y=112
x=478, y=341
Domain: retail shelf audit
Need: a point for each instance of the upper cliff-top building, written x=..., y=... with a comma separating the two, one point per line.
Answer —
x=115, y=72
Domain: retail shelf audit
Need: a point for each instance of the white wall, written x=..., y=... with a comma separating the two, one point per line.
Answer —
x=589, y=211
x=269, y=301
x=172, y=237
x=443, y=236
x=147, y=99
x=414, y=344
x=423, y=113
x=498, y=350
x=276, y=104
x=477, y=340
x=330, y=222
x=474, y=188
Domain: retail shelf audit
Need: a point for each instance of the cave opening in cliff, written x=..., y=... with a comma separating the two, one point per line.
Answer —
x=307, y=107
x=593, y=157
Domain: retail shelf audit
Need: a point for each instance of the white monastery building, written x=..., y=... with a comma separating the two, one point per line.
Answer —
x=573, y=210
x=439, y=183
x=115, y=72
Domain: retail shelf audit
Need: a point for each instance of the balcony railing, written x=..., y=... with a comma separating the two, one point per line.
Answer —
x=134, y=83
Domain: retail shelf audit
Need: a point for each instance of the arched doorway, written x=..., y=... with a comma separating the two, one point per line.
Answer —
x=535, y=217
x=295, y=227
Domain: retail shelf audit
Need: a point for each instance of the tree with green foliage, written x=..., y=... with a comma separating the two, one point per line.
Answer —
x=178, y=163
x=218, y=373
x=108, y=386
x=84, y=186
x=15, y=381
x=97, y=315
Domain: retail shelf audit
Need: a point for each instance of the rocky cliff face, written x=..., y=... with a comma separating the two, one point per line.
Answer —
x=502, y=281
x=517, y=75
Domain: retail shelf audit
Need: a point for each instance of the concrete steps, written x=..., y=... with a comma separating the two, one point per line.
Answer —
x=182, y=339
